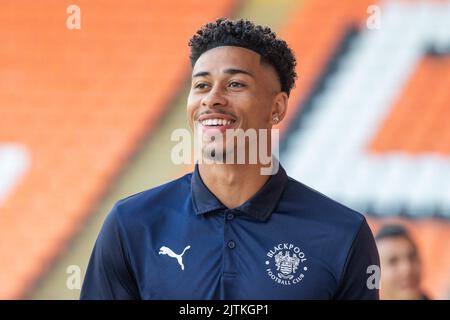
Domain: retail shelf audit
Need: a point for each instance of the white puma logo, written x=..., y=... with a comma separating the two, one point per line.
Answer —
x=170, y=253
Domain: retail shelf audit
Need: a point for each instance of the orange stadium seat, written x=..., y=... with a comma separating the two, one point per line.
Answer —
x=428, y=126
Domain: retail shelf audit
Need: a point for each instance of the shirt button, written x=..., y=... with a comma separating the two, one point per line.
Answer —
x=230, y=216
x=231, y=244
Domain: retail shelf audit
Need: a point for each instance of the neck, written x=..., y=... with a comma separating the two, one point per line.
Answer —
x=232, y=184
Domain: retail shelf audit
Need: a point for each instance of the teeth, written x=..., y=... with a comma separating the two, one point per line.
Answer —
x=216, y=122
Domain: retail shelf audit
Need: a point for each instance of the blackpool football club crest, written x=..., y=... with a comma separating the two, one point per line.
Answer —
x=287, y=264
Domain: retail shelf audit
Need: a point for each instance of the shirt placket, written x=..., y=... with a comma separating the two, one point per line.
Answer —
x=230, y=247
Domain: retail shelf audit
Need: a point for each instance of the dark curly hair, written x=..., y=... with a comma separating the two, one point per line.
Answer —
x=245, y=34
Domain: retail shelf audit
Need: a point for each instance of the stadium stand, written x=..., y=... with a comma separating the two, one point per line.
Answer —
x=368, y=124
x=79, y=103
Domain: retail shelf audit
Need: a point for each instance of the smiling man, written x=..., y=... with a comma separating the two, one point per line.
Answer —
x=227, y=231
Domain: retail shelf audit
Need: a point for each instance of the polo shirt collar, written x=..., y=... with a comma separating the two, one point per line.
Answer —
x=260, y=206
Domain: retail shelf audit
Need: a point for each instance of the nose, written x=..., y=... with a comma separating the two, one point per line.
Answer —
x=407, y=269
x=214, y=98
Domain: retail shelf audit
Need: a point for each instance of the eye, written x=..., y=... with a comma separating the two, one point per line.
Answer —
x=200, y=85
x=392, y=261
x=235, y=84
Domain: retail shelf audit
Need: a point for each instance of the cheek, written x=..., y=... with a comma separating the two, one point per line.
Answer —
x=389, y=271
x=399, y=273
x=192, y=107
x=261, y=117
x=256, y=112
x=387, y=274
x=416, y=267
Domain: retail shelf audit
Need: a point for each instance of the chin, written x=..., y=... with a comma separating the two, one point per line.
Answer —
x=209, y=152
x=411, y=294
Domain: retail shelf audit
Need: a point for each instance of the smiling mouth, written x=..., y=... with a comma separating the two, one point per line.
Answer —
x=216, y=122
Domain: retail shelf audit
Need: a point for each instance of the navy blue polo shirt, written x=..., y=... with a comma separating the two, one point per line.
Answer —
x=178, y=241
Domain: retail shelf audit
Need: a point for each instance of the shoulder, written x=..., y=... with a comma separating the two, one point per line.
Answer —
x=339, y=226
x=142, y=204
x=314, y=203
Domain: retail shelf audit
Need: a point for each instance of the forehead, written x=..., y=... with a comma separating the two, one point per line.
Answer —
x=395, y=246
x=217, y=59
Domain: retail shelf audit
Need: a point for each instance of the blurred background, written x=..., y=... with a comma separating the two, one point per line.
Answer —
x=89, y=96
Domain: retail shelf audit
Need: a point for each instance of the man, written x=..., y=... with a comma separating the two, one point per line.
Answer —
x=400, y=263
x=228, y=231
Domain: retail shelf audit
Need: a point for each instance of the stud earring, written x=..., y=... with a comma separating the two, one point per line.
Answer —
x=275, y=119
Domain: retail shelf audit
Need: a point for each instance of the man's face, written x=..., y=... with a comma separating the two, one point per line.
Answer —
x=232, y=85
x=400, y=268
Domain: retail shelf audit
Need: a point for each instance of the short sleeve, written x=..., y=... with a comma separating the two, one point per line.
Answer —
x=109, y=274
x=362, y=254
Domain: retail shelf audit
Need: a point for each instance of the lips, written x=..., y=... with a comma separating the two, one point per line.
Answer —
x=216, y=121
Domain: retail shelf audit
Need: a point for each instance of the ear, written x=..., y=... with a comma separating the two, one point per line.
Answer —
x=279, y=107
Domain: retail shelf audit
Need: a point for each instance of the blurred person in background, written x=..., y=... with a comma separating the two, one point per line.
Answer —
x=400, y=264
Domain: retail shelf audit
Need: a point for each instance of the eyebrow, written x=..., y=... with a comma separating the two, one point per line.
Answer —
x=227, y=71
